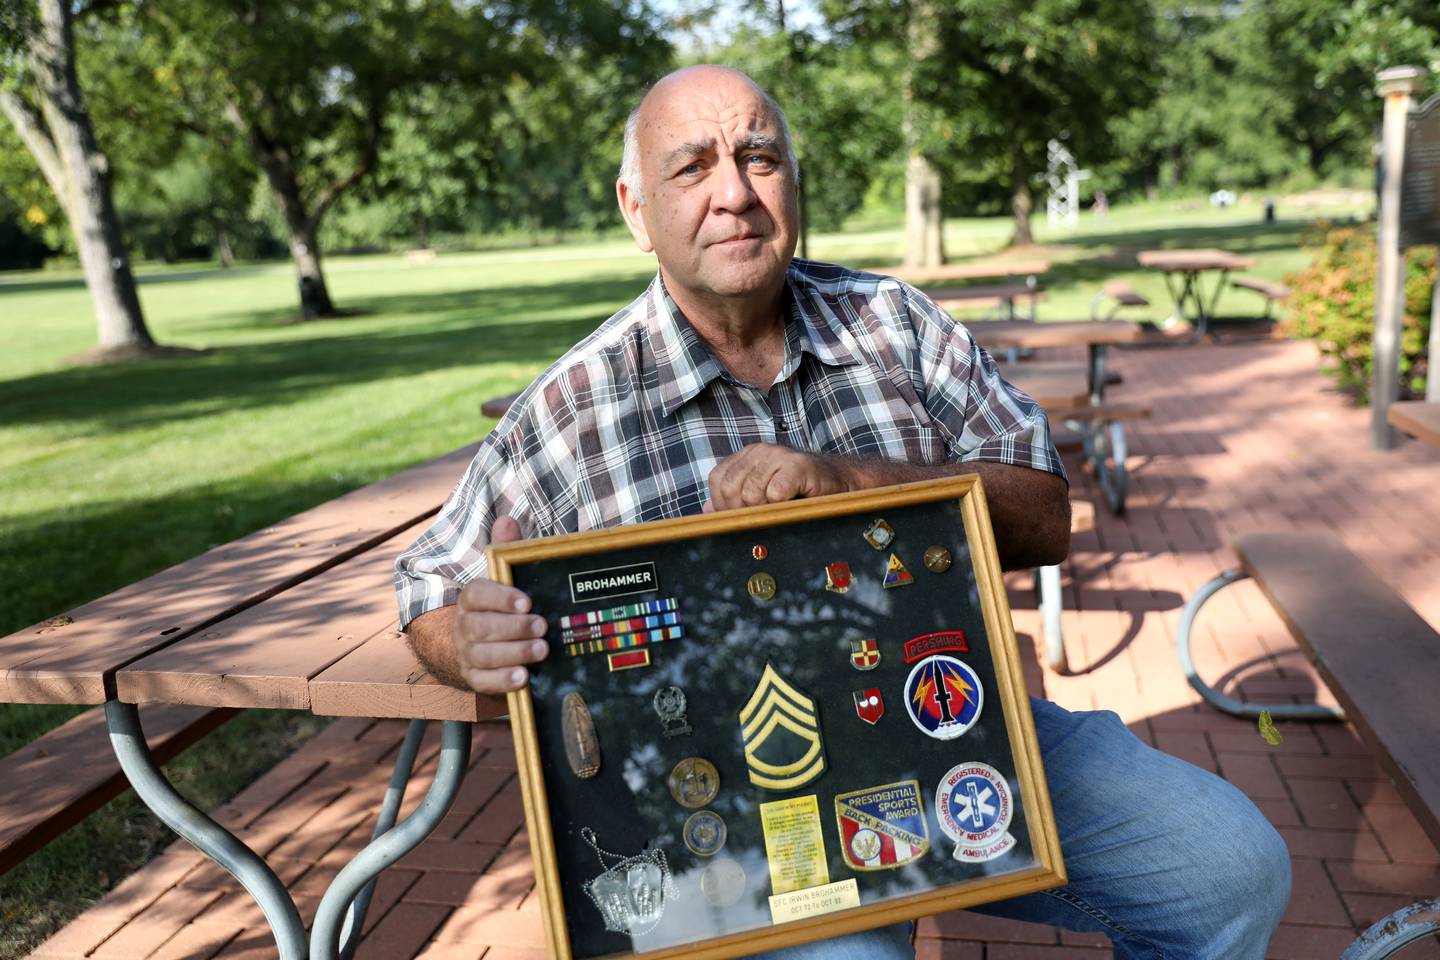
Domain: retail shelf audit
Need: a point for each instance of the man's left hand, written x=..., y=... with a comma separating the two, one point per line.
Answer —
x=768, y=473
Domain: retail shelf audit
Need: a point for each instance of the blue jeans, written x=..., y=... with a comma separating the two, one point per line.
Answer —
x=1166, y=859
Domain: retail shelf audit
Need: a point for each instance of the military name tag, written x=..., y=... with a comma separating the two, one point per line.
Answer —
x=882, y=828
x=594, y=585
x=840, y=895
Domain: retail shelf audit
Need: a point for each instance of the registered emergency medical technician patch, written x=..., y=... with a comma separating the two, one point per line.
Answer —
x=882, y=828
x=943, y=697
x=973, y=805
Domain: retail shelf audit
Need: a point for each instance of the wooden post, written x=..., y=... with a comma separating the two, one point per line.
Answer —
x=1432, y=368
x=1397, y=85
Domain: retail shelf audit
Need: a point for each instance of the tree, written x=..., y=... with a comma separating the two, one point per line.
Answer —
x=313, y=88
x=44, y=103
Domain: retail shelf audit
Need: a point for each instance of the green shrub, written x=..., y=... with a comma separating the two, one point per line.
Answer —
x=1333, y=303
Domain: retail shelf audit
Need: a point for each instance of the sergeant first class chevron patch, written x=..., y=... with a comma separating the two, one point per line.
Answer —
x=781, y=733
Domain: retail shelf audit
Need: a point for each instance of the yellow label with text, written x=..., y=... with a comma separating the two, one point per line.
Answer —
x=794, y=846
x=840, y=895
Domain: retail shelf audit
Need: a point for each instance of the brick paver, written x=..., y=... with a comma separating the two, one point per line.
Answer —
x=1244, y=437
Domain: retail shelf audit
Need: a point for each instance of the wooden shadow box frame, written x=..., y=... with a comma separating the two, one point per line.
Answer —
x=731, y=635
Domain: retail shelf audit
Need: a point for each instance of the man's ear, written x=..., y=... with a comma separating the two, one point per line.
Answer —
x=630, y=210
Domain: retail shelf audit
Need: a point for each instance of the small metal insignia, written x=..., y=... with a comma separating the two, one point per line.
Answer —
x=837, y=578
x=879, y=534
x=670, y=705
x=759, y=552
x=895, y=573
x=582, y=747
x=974, y=808
x=943, y=697
x=1268, y=731
x=694, y=782
x=761, y=586
x=781, y=732
x=864, y=654
x=723, y=882
x=629, y=659
x=937, y=559
x=631, y=895
x=868, y=705
x=705, y=833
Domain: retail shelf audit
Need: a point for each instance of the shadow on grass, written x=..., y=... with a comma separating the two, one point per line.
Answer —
x=430, y=332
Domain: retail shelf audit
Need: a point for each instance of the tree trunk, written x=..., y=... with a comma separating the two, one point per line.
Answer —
x=223, y=249
x=422, y=232
x=305, y=251
x=1021, y=201
x=77, y=169
x=924, y=241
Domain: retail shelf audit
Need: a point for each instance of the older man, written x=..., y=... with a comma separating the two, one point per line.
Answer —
x=743, y=376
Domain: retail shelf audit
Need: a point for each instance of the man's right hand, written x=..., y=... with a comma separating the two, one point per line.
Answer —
x=489, y=636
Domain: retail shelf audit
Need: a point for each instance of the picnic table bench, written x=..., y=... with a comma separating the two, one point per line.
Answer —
x=1379, y=658
x=1418, y=418
x=299, y=615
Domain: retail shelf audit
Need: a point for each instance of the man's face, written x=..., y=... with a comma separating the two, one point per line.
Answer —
x=720, y=211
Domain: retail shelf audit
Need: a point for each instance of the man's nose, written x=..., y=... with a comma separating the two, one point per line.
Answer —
x=733, y=193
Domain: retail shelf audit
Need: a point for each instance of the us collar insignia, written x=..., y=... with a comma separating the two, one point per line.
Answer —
x=895, y=573
x=837, y=578
x=974, y=807
x=949, y=641
x=781, y=733
x=882, y=828
x=943, y=697
x=868, y=705
x=864, y=654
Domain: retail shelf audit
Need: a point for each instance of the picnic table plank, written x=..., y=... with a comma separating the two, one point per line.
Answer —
x=51, y=784
x=265, y=656
x=1186, y=261
x=1053, y=385
x=1418, y=418
x=72, y=659
x=382, y=678
x=1003, y=334
x=972, y=270
x=1333, y=603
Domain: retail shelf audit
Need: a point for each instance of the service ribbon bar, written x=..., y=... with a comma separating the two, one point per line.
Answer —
x=625, y=641
x=575, y=620
x=632, y=625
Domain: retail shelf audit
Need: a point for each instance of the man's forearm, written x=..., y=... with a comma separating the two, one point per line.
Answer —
x=432, y=638
x=1029, y=509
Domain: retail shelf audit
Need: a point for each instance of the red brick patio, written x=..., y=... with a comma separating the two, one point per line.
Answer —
x=1244, y=437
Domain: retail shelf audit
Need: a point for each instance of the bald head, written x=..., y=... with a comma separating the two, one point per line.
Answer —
x=689, y=82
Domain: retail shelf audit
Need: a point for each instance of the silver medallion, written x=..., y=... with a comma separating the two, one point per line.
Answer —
x=723, y=882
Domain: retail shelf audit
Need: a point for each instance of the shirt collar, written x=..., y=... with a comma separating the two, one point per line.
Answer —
x=685, y=365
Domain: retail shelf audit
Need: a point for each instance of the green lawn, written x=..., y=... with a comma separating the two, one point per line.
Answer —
x=113, y=473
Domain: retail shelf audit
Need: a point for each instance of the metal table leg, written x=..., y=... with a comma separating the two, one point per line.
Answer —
x=1218, y=700
x=1051, y=600
x=349, y=893
x=1389, y=934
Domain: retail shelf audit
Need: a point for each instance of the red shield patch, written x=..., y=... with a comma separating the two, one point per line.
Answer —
x=868, y=705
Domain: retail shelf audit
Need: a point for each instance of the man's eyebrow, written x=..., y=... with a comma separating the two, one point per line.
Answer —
x=759, y=141
x=689, y=151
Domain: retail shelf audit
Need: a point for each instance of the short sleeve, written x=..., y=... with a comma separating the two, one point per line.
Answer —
x=451, y=553
x=983, y=417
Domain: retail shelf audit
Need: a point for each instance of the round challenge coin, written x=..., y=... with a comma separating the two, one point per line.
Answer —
x=705, y=833
x=937, y=559
x=723, y=882
x=761, y=586
x=694, y=782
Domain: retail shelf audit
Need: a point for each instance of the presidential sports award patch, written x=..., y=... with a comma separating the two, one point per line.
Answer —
x=973, y=805
x=943, y=696
x=883, y=827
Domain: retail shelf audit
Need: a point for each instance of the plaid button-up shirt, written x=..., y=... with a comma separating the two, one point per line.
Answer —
x=627, y=426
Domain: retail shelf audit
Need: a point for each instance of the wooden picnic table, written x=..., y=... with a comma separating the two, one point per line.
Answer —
x=969, y=270
x=1418, y=418
x=1017, y=279
x=1183, y=270
x=300, y=616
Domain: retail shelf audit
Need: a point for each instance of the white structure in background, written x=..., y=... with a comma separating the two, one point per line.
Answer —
x=1063, y=205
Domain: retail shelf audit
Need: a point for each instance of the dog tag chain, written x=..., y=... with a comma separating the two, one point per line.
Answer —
x=631, y=895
